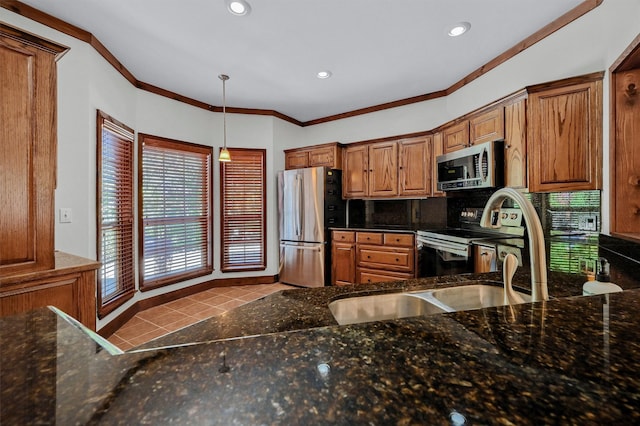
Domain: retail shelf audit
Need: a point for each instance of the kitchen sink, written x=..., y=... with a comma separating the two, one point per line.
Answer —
x=468, y=297
x=353, y=310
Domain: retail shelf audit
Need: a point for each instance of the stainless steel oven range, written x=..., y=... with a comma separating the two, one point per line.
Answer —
x=449, y=251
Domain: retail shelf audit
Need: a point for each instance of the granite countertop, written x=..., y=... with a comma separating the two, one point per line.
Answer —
x=569, y=360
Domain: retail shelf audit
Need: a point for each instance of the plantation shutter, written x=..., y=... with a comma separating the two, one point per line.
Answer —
x=175, y=211
x=243, y=204
x=116, y=276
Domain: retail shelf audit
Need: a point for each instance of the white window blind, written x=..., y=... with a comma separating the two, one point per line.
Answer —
x=175, y=211
x=242, y=188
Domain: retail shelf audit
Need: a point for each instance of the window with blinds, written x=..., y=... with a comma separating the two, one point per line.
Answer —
x=175, y=211
x=116, y=277
x=243, y=205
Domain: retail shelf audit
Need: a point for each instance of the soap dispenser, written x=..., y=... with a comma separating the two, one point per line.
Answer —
x=602, y=283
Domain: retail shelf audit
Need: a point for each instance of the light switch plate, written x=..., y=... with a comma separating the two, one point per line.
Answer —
x=66, y=215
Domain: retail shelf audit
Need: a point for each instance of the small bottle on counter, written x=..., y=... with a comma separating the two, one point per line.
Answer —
x=602, y=283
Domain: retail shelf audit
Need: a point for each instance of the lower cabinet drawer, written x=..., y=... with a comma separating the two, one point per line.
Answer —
x=405, y=240
x=388, y=258
x=365, y=276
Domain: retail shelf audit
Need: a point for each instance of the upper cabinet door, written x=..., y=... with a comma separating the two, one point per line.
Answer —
x=515, y=145
x=383, y=169
x=456, y=136
x=355, y=171
x=487, y=127
x=565, y=138
x=296, y=160
x=325, y=156
x=414, y=171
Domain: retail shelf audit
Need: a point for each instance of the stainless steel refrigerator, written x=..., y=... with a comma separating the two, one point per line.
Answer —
x=309, y=203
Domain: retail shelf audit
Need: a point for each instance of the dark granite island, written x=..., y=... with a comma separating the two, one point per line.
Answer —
x=570, y=360
x=565, y=361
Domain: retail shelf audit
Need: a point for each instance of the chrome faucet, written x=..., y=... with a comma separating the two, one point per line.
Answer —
x=491, y=219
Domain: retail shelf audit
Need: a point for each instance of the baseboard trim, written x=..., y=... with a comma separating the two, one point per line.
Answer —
x=144, y=304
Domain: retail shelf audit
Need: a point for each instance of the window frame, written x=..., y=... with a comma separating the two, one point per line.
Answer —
x=224, y=266
x=173, y=145
x=126, y=135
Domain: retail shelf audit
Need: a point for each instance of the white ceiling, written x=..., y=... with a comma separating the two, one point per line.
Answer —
x=379, y=51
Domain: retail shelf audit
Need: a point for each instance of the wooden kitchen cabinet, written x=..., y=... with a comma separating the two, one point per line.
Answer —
x=384, y=256
x=564, y=134
x=383, y=169
x=414, y=171
x=487, y=126
x=355, y=176
x=370, y=170
x=515, y=144
x=70, y=286
x=296, y=160
x=32, y=274
x=389, y=169
x=456, y=136
x=343, y=255
x=484, y=258
x=625, y=157
x=27, y=151
x=325, y=155
x=366, y=257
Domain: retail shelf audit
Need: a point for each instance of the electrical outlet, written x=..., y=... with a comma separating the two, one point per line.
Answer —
x=66, y=215
x=588, y=222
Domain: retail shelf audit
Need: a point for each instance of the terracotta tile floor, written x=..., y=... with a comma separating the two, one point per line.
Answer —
x=171, y=316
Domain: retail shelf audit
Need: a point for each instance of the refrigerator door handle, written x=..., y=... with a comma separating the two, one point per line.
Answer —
x=298, y=247
x=300, y=205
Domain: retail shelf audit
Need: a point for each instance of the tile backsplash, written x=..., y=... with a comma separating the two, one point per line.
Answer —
x=561, y=213
x=566, y=213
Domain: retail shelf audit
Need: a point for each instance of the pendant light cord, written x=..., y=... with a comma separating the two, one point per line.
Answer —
x=224, y=79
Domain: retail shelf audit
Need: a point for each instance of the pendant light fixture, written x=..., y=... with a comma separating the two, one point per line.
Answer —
x=224, y=152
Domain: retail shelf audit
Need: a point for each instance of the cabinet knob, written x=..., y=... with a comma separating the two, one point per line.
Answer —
x=507, y=146
x=397, y=260
x=368, y=257
x=635, y=210
x=634, y=180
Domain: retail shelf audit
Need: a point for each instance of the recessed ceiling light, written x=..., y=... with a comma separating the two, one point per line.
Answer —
x=459, y=29
x=324, y=74
x=238, y=7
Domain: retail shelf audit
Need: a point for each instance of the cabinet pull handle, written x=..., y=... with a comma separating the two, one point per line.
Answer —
x=634, y=180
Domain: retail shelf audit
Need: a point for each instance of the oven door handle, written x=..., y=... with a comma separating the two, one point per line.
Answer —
x=445, y=246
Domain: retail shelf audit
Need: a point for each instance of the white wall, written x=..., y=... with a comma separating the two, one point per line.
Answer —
x=86, y=82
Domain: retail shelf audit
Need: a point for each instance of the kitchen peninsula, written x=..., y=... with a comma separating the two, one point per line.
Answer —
x=570, y=360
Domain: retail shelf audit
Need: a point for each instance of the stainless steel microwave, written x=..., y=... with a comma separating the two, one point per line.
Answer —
x=477, y=166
